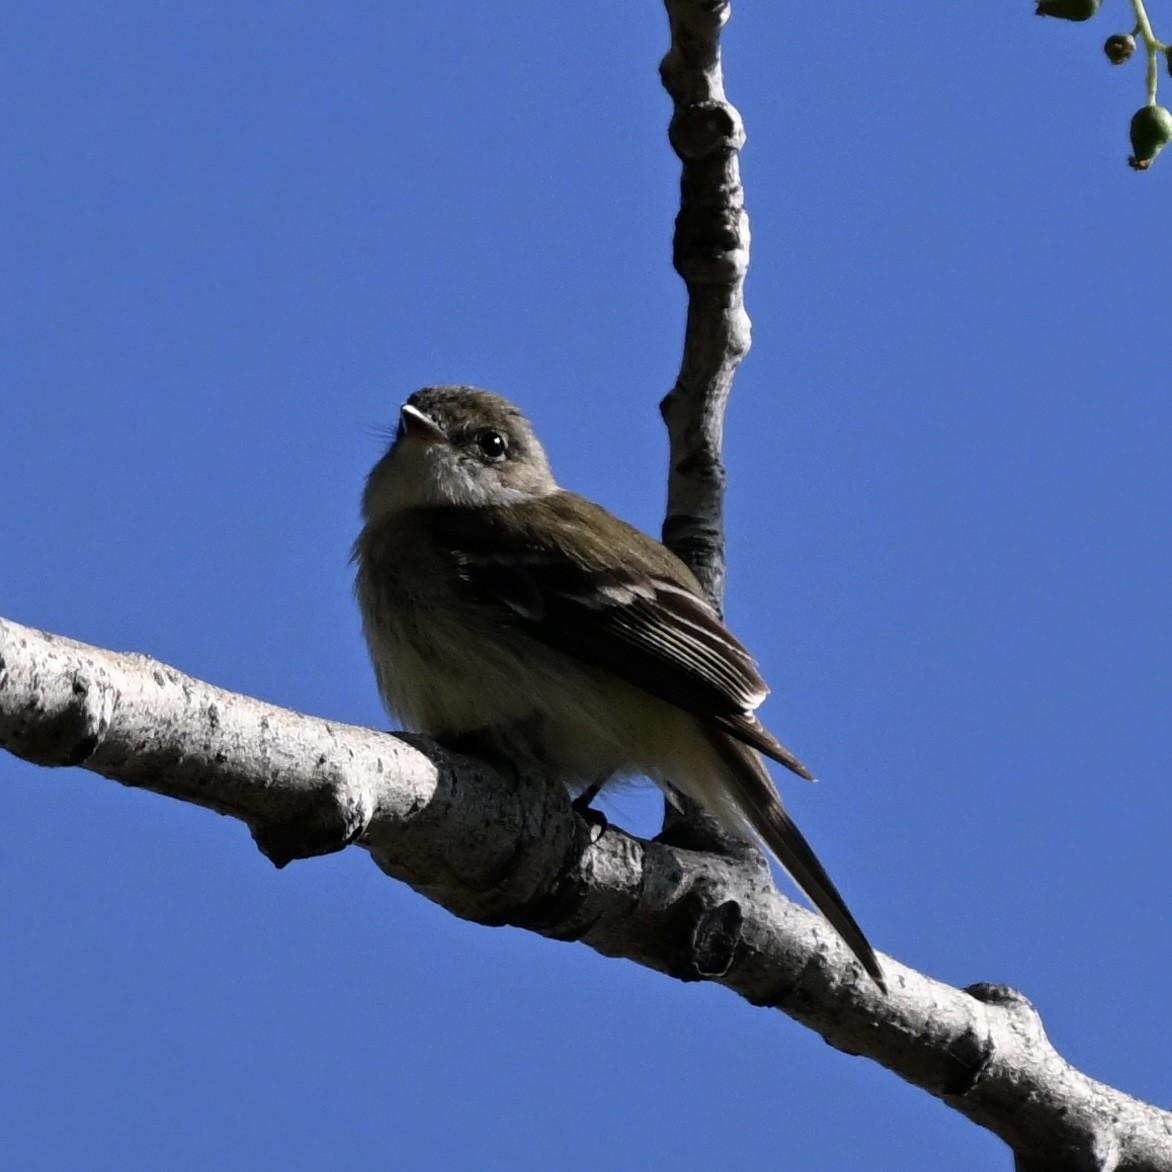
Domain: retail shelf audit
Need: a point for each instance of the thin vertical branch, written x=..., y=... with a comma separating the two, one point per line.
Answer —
x=711, y=254
x=710, y=251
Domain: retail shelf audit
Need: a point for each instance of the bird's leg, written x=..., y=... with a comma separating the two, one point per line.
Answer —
x=584, y=800
x=582, y=805
x=485, y=745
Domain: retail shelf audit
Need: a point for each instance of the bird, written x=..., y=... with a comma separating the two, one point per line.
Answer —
x=508, y=617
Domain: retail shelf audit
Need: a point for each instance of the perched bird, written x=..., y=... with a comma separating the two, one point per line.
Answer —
x=511, y=618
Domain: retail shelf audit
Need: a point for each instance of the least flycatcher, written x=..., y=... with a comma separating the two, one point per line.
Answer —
x=508, y=615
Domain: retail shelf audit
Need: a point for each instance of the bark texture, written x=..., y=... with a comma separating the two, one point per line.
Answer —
x=512, y=850
x=711, y=253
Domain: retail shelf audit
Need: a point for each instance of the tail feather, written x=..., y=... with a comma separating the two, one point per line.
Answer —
x=757, y=802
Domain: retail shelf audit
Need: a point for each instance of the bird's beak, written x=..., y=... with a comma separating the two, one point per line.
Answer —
x=414, y=424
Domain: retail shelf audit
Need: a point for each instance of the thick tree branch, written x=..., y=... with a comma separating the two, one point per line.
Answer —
x=512, y=851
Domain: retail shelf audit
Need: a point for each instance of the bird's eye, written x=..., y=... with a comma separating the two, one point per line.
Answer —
x=492, y=445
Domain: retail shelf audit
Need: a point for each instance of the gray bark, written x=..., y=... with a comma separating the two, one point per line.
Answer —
x=511, y=850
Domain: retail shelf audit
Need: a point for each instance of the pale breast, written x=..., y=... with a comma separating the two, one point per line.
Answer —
x=446, y=665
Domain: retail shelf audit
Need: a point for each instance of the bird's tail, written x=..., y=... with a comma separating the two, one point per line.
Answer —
x=758, y=805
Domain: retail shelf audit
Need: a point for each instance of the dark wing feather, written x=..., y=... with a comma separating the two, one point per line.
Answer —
x=749, y=730
x=649, y=632
x=652, y=629
x=649, y=628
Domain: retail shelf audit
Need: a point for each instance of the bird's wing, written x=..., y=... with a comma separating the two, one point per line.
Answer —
x=641, y=617
x=645, y=623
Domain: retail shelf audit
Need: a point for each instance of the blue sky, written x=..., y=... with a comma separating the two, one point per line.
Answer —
x=234, y=237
